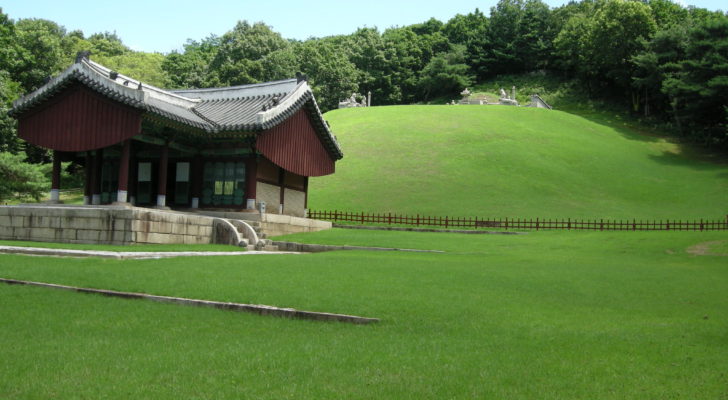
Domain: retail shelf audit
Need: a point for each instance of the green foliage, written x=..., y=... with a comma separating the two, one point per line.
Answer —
x=9, y=90
x=20, y=180
x=470, y=30
x=39, y=52
x=446, y=74
x=331, y=74
x=240, y=58
x=699, y=87
x=147, y=67
x=190, y=69
x=629, y=21
x=520, y=37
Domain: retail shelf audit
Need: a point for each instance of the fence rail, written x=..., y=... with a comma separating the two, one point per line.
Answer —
x=520, y=223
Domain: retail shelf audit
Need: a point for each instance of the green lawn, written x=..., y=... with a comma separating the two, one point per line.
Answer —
x=499, y=161
x=547, y=315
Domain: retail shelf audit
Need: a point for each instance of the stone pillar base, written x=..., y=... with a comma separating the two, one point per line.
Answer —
x=250, y=204
x=86, y=200
x=161, y=200
x=55, y=195
x=96, y=199
x=121, y=196
x=195, y=203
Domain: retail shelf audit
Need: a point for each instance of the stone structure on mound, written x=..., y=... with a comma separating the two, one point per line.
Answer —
x=504, y=99
x=352, y=101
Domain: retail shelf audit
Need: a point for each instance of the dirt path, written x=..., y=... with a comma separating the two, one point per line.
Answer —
x=704, y=249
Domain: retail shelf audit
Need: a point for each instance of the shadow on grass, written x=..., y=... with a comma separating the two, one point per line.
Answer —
x=683, y=160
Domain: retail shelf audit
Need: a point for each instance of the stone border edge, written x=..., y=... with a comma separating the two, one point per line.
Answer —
x=252, y=308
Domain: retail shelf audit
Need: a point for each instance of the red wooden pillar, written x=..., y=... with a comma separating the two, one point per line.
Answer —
x=282, y=184
x=305, y=195
x=88, y=171
x=162, y=186
x=96, y=177
x=56, y=178
x=251, y=181
x=123, y=191
x=196, y=177
x=133, y=177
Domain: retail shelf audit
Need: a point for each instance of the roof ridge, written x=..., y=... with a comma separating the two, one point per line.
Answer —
x=246, y=86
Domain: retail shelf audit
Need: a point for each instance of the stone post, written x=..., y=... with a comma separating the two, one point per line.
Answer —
x=369, y=98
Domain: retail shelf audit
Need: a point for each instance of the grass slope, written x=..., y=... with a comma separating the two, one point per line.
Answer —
x=614, y=315
x=502, y=161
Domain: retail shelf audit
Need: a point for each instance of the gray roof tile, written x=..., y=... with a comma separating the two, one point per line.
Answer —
x=243, y=108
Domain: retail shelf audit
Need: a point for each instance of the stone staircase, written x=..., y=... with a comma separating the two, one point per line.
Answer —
x=264, y=244
x=252, y=236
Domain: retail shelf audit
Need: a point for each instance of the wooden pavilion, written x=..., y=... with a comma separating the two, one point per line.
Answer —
x=220, y=148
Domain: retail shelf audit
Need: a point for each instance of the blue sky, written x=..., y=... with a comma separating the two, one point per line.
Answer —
x=162, y=25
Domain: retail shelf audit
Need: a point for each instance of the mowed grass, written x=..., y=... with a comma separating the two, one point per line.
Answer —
x=548, y=315
x=499, y=161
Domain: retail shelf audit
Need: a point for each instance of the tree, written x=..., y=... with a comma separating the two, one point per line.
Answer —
x=239, y=58
x=20, y=180
x=471, y=31
x=699, y=87
x=146, y=67
x=629, y=21
x=331, y=74
x=40, y=54
x=446, y=74
x=9, y=91
x=190, y=69
x=651, y=67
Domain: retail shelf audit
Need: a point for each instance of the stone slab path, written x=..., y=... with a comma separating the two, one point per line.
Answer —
x=252, y=308
x=123, y=255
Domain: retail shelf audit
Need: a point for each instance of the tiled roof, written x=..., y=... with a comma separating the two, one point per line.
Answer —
x=246, y=108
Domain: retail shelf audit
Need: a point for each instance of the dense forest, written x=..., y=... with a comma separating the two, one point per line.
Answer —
x=655, y=58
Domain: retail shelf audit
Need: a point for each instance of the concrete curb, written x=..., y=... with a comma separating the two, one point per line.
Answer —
x=398, y=228
x=124, y=255
x=318, y=248
x=252, y=308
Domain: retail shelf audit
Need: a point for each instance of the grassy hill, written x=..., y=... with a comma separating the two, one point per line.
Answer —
x=497, y=161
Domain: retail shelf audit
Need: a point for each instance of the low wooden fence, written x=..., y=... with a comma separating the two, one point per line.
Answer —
x=520, y=223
